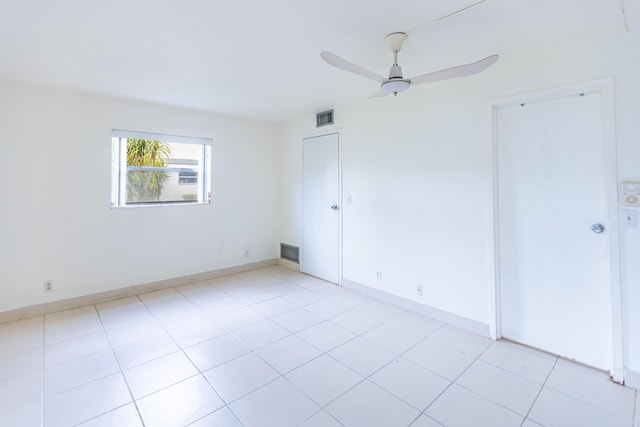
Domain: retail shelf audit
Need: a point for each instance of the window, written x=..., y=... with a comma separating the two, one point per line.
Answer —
x=153, y=169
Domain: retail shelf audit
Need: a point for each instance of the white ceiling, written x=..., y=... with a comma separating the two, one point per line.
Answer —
x=261, y=59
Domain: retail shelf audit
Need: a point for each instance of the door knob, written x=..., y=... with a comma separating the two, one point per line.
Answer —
x=335, y=207
x=597, y=228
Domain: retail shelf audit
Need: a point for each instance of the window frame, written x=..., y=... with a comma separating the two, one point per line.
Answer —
x=119, y=168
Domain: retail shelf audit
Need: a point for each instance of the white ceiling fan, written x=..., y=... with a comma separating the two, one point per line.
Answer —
x=396, y=82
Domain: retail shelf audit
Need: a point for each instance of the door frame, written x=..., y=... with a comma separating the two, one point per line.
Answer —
x=320, y=133
x=606, y=88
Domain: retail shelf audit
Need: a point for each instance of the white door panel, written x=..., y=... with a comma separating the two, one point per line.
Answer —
x=321, y=207
x=555, y=290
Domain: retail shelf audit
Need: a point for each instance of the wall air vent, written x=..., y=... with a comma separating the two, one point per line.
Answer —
x=290, y=253
x=325, y=118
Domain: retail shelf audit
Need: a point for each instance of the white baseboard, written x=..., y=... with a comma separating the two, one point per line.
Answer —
x=632, y=379
x=289, y=264
x=52, y=307
x=470, y=325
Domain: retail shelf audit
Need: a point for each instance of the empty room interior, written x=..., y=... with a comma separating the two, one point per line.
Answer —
x=286, y=213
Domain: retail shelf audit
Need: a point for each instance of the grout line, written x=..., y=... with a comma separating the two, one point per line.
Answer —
x=555, y=363
x=43, y=368
x=115, y=356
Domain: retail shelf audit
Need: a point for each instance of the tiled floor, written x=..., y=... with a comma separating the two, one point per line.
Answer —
x=273, y=347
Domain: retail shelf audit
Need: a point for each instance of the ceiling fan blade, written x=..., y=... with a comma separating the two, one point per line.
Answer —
x=336, y=61
x=380, y=94
x=447, y=16
x=455, y=72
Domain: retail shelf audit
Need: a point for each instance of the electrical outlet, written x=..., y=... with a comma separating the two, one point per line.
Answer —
x=379, y=275
x=419, y=290
x=48, y=286
x=247, y=252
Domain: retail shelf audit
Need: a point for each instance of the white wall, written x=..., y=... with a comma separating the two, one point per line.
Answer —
x=56, y=223
x=419, y=170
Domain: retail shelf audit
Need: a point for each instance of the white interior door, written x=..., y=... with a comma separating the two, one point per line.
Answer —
x=554, y=277
x=321, y=207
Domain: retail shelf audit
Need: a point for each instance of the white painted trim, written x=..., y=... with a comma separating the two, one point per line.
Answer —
x=324, y=132
x=632, y=379
x=52, y=307
x=606, y=88
x=289, y=264
x=470, y=325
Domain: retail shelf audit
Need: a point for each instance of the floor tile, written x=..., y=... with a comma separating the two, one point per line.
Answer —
x=26, y=415
x=308, y=281
x=124, y=416
x=86, y=401
x=402, y=332
x=326, y=335
x=513, y=358
x=553, y=409
x=321, y=419
x=273, y=307
x=180, y=404
x=637, y=424
x=351, y=353
x=303, y=297
x=410, y=382
x=159, y=373
x=288, y=353
x=593, y=388
x=424, y=421
x=165, y=300
x=120, y=304
x=216, y=351
x=18, y=364
x=278, y=404
x=197, y=332
x=239, y=318
x=249, y=294
x=20, y=391
x=70, y=324
x=460, y=407
x=65, y=368
x=79, y=371
x=282, y=288
x=328, y=307
x=368, y=405
x=126, y=328
x=220, y=306
x=240, y=376
x=21, y=335
x=297, y=320
x=223, y=417
x=324, y=379
x=200, y=292
x=442, y=360
x=507, y=389
x=461, y=340
x=75, y=348
x=366, y=317
x=145, y=349
x=260, y=334
x=183, y=317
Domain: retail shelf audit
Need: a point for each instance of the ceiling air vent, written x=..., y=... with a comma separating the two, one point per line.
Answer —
x=324, y=118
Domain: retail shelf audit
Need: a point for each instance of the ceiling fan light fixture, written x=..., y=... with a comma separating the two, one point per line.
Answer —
x=395, y=85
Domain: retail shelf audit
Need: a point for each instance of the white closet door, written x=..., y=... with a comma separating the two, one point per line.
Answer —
x=321, y=207
x=555, y=290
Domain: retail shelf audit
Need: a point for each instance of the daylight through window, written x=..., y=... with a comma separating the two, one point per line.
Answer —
x=153, y=169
